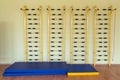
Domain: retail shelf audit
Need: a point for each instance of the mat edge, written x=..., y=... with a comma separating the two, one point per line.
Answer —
x=83, y=73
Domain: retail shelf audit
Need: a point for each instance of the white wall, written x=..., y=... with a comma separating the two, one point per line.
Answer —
x=11, y=26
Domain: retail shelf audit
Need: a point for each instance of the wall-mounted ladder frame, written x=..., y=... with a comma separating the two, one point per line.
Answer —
x=50, y=24
x=35, y=32
x=72, y=32
x=104, y=27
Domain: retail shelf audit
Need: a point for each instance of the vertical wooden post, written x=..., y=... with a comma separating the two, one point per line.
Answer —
x=86, y=31
x=49, y=32
x=110, y=36
x=25, y=33
x=40, y=32
x=95, y=36
x=63, y=34
x=71, y=35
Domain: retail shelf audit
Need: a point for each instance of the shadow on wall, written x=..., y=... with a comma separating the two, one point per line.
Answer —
x=6, y=41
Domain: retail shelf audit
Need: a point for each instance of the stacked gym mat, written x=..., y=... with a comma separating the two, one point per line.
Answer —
x=49, y=68
x=81, y=70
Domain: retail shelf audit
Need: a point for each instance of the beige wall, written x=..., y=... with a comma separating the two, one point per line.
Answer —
x=11, y=26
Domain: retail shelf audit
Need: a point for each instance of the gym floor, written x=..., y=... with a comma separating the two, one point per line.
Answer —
x=106, y=73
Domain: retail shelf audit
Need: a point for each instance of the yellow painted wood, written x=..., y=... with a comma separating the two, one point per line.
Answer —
x=86, y=36
x=83, y=74
x=110, y=36
x=25, y=33
x=95, y=36
x=71, y=35
x=63, y=34
x=49, y=33
x=40, y=33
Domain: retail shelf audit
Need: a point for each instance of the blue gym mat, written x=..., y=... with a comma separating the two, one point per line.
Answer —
x=48, y=68
x=80, y=68
x=35, y=68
